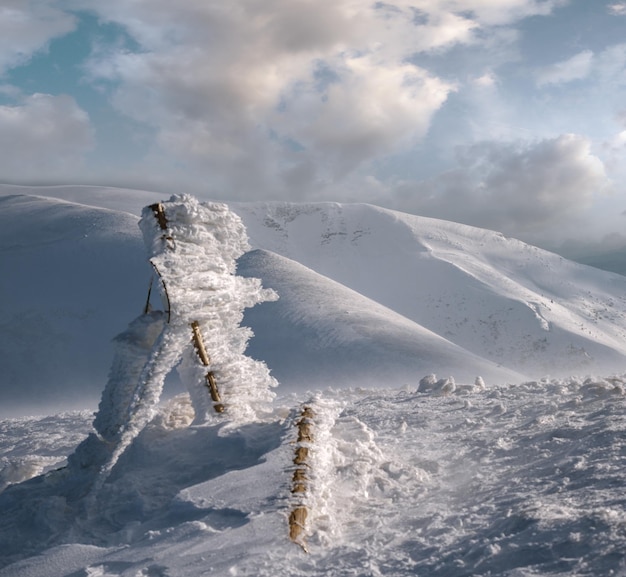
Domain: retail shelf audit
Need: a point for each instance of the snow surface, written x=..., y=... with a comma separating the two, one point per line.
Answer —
x=412, y=340
x=518, y=480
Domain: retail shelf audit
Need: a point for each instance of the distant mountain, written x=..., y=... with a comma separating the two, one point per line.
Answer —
x=369, y=296
x=321, y=333
x=514, y=304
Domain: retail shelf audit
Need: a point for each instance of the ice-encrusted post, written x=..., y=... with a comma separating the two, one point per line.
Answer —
x=194, y=247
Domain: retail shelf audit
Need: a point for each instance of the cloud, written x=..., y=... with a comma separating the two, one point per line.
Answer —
x=611, y=66
x=502, y=12
x=27, y=27
x=282, y=88
x=577, y=67
x=617, y=8
x=518, y=188
x=47, y=135
x=369, y=111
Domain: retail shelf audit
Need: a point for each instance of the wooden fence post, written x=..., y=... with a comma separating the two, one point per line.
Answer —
x=206, y=361
x=300, y=479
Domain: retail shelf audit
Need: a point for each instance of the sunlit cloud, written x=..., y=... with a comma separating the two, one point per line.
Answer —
x=575, y=68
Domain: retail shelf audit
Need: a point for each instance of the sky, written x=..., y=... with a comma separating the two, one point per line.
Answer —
x=504, y=114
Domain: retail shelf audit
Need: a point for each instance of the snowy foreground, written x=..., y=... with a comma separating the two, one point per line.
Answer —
x=520, y=480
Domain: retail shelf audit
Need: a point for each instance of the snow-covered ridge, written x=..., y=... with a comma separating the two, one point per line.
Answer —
x=506, y=305
x=514, y=304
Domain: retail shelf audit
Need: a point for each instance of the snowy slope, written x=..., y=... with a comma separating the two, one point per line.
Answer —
x=343, y=338
x=509, y=302
x=76, y=275
x=72, y=278
x=518, y=481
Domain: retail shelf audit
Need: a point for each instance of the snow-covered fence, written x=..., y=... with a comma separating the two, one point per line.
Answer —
x=206, y=361
x=193, y=247
x=300, y=479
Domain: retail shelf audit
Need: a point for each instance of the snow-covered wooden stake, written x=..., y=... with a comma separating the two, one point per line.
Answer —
x=299, y=486
x=206, y=361
x=159, y=214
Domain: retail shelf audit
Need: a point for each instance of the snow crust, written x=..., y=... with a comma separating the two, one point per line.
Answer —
x=507, y=480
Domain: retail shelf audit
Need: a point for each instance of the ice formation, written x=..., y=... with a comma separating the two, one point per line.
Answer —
x=193, y=249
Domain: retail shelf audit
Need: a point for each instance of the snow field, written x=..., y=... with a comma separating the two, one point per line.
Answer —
x=518, y=480
x=445, y=479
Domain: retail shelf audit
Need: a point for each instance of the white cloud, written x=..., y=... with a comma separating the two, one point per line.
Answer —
x=44, y=135
x=271, y=98
x=27, y=26
x=517, y=188
x=617, y=8
x=577, y=67
x=611, y=65
x=315, y=87
x=370, y=110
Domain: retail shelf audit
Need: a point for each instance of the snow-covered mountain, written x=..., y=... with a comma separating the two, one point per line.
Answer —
x=365, y=463
x=366, y=292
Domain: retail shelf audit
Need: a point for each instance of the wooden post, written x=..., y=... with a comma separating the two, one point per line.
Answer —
x=297, y=519
x=206, y=361
x=299, y=482
x=215, y=394
x=199, y=344
x=159, y=214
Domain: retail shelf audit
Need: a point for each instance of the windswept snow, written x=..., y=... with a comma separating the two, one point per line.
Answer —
x=193, y=247
x=516, y=480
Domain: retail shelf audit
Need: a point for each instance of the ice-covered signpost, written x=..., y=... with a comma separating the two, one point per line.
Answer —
x=193, y=248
